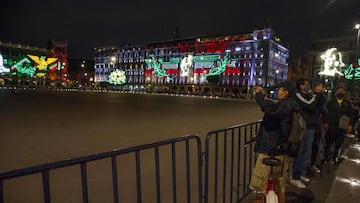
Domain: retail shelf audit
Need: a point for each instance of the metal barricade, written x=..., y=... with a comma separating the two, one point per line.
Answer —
x=229, y=162
x=165, y=171
x=170, y=169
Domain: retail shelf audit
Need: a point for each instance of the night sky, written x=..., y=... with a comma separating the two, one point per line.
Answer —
x=87, y=24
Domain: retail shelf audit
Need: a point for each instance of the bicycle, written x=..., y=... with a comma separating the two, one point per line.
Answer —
x=272, y=185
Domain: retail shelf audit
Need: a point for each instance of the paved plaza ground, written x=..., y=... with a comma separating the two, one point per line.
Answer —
x=45, y=126
x=40, y=126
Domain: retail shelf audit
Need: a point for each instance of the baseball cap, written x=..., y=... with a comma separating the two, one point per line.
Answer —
x=288, y=86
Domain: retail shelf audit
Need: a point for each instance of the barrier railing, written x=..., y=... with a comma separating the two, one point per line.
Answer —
x=229, y=162
x=159, y=166
x=165, y=171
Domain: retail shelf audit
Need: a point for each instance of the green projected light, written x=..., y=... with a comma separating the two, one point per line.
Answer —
x=38, y=66
x=220, y=66
x=159, y=71
x=23, y=67
x=352, y=71
x=206, y=58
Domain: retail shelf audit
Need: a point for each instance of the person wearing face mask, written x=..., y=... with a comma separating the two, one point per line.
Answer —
x=338, y=108
x=308, y=102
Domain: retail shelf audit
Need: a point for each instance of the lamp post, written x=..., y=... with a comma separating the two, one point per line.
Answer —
x=357, y=27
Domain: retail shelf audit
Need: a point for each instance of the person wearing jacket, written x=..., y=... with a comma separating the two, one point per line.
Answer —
x=274, y=130
x=320, y=113
x=308, y=103
x=337, y=106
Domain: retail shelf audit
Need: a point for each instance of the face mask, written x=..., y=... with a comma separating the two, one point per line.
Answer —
x=340, y=95
x=307, y=88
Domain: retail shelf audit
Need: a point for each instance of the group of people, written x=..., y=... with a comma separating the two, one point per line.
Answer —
x=330, y=118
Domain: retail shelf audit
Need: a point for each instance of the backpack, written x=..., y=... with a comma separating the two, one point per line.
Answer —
x=293, y=145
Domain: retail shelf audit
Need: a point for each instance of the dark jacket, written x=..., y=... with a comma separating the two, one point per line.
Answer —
x=276, y=124
x=335, y=111
x=309, y=107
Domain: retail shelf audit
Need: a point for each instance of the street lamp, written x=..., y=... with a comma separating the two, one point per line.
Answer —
x=357, y=27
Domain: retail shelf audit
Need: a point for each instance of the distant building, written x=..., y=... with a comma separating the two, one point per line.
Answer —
x=80, y=73
x=34, y=65
x=188, y=65
x=329, y=58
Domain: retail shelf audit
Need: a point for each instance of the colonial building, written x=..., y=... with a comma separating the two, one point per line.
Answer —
x=28, y=65
x=192, y=65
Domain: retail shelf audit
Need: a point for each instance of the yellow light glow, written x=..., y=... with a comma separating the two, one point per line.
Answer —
x=42, y=64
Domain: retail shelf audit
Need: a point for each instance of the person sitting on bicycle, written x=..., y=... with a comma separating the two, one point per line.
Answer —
x=274, y=130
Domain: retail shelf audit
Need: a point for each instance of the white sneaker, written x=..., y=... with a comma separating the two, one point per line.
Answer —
x=297, y=183
x=315, y=169
x=304, y=179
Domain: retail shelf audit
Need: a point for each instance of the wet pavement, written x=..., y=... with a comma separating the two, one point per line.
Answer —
x=334, y=184
x=346, y=184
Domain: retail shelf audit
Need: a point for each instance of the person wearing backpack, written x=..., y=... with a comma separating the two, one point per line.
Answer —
x=337, y=123
x=275, y=129
x=308, y=103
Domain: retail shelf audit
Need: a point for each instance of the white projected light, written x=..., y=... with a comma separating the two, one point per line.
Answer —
x=332, y=61
x=186, y=65
x=3, y=69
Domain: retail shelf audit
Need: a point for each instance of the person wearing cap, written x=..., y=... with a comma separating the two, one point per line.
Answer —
x=309, y=102
x=274, y=130
x=337, y=107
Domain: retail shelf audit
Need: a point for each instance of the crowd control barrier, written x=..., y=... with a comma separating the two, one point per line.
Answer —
x=173, y=170
x=158, y=174
x=229, y=162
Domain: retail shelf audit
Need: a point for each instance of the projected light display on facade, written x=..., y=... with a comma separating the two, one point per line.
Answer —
x=232, y=61
x=32, y=65
x=186, y=65
x=3, y=69
x=207, y=65
x=352, y=72
x=332, y=62
x=117, y=77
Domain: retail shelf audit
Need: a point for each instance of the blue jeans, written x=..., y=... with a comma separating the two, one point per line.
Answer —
x=299, y=162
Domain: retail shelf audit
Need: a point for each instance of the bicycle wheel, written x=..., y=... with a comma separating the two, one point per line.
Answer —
x=271, y=197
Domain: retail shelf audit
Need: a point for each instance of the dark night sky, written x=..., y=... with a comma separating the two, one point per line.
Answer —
x=86, y=24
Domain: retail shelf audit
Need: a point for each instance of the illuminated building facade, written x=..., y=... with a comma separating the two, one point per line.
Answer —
x=236, y=61
x=26, y=65
x=333, y=60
